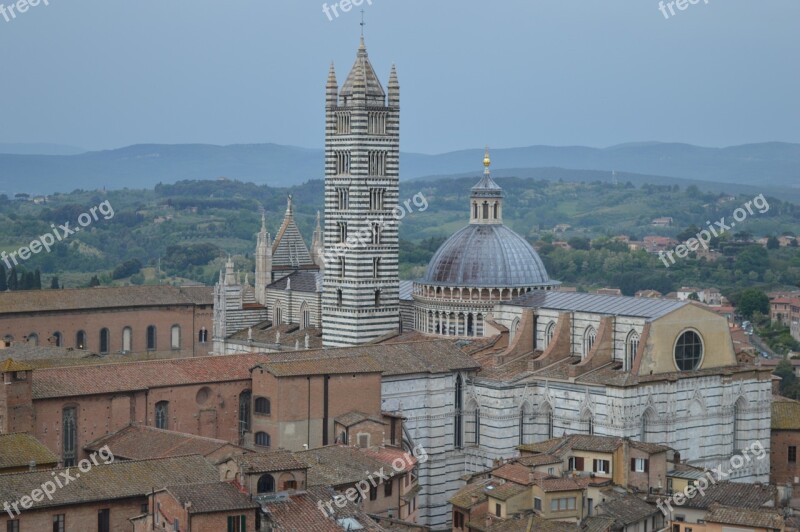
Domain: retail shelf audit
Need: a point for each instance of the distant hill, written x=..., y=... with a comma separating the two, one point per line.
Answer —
x=39, y=149
x=774, y=164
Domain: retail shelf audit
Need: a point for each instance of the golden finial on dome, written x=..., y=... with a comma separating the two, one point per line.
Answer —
x=487, y=161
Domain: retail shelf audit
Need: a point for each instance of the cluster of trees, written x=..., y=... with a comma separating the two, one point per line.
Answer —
x=789, y=387
x=19, y=279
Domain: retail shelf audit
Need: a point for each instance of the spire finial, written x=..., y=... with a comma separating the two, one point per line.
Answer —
x=487, y=161
x=362, y=25
x=289, y=208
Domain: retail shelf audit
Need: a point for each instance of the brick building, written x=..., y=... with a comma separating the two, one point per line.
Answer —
x=785, y=442
x=131, y=319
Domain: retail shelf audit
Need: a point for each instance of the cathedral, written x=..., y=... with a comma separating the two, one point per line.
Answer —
x=546, y=362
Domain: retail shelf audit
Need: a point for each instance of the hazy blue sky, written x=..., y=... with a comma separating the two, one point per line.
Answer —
x=108, y=73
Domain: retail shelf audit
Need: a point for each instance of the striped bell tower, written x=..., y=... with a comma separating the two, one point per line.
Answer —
x=362, y=154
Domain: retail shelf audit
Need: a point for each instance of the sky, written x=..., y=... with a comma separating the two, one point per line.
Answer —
x=102, y=74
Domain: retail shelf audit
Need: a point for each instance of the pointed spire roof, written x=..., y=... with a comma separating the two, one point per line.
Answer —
x=332, y=76
x=363, y=75
x=289, y=249
x=486, y=186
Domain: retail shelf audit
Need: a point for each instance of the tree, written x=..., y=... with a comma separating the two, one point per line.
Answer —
x=788, y=386
x=3, y=279
x=37, y=280
x=694, y=297
x=54, y=283
x=773, y=243
x=752, y=300
x=579, y=242
x=126, y=269
x=13, y=280
x=94, y=281
x=689, y=232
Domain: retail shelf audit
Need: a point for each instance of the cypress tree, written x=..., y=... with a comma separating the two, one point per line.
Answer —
x=3, y=279
x=54, y=283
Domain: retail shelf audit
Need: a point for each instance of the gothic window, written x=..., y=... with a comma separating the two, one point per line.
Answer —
x=266, y=484
x=277, y=318
x=202, y=336
x=376, y=232
x=80, y=340
x=244, y=411
x=485, y=210
x=342, y=199
x=263, y=439
x=648, y=427
x=151, y=338
x=475, y=211
x=589, y=336
x=473, y=428
x=376, y=123
x=342, y=267
x=377, y=163
x=342, y=162
x=376, y=267
x=305, y=316
x=104, y=341
x=549, y=332
x=376, y=199
x=263, y=406
x=162, y=415
x=739, y=431
x=458, y=441
x=495, y=211
x=688, y=351
x=343, y=123
x=631, y=347
x=69, y=426
x=377, y=298
x=127, y=335
x=339, y=297
x=175, y=337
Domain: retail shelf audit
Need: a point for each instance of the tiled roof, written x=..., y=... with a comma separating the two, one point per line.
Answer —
x=539, y=459
x=19, y=450
x=10, y=366
x=113, y=481
x=560, y=484
x=137, y=442
x=353, y=418
x=300, y=281
x=597, y=523
x=532, y=523
x=301, y=512
x=785, y=414
x=768, y=518
x=650, y=448
x=280, y=460
x=211, y=497
x=736, y=494
x=514, y=472
x=324, y=365
x=463, y=497
x=627, y=509
x=503, y=492
x=338, y=465
x=102, y=297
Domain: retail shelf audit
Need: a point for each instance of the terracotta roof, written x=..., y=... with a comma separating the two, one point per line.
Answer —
x=524, y=524
x=738, y=494
x=785, y=414
x=558, y=447
x=19, y=450
x=301, y=512
x=560, y=484
x=211, y=497
x=514, y=472
x=280, y=460
x=324, y=365
x=11, y=366
x=338, y=465
x=598, y=523
x=102, y=297
x=117, y=480
x=504, y=491
x=627, y=509
x=137, y=442
x=768, y=518
x=353, y=418
x=538, y=459
x=463, y=497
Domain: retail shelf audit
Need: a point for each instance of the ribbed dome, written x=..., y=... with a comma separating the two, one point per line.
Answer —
x=490, y=255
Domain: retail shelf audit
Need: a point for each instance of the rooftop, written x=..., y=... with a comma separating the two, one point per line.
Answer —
x=301, y=511
x=640, y=307
x=137, y=442
x=278, y=460
x=338, y=465
x=768, y=518
x=19, y=450
x=785, y=414
x=116, y=480
x=211, y=497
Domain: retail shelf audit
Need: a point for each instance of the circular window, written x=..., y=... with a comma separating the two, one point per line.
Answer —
x=202, y=395
x=688, y=351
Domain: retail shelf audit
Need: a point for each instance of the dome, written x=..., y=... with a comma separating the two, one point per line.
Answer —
x=490, y=255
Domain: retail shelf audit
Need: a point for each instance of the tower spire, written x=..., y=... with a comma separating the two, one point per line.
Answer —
x=362, y=26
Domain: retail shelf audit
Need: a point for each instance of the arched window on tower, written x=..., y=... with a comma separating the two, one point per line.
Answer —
x=589, y=336
x=631, y=347
x=549, y=332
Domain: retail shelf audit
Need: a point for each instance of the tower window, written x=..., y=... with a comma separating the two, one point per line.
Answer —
x=343, y=123
x=377, y=163
x=377, y=298
x=342, y=226
x=342, y=267
x=339, y=297
x=376, y=267
x=342, y=199
x=485, y=210
x=376, y=199
x=342, y=162
x=376, y=124
x=377, y=227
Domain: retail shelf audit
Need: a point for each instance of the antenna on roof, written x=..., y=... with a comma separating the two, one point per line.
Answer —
x=362, y=23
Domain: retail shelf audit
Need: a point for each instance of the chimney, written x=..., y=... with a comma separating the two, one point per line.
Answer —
x=473, y=500
x=531, y=477
x=489, y=520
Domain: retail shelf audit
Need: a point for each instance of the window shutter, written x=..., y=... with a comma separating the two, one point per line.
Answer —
x=633, y=464
x=579, y=463
x=646, y=465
